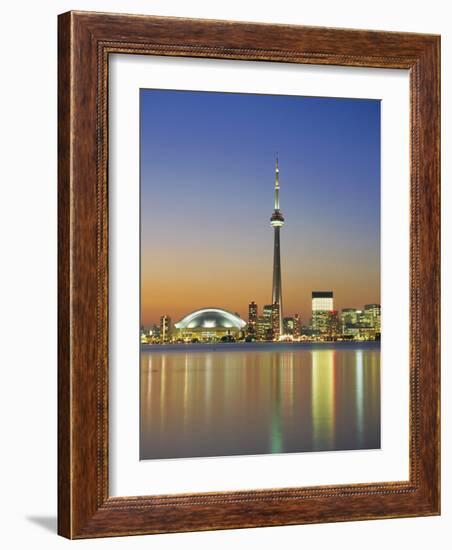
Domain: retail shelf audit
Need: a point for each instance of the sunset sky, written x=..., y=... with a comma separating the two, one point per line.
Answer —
x=207, y=184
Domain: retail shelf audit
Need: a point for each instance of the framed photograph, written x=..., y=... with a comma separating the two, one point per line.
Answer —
x=248, y=275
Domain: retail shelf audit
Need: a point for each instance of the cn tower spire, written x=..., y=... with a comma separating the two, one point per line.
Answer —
x=277, y=221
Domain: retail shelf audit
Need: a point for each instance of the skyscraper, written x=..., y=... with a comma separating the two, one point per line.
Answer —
x=277, y=330
x=332, y=327
x=296, y=326
x=266, y=328
x=322, y=300
x=277, y=221
x=252, y=318
x=322, y=306
x=165, y=328
x=349, y=321
x=372, y=313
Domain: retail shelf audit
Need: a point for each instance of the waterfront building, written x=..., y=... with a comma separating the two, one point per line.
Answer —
x=252, y=318
x=267, y=313
x=307, y=332
x=276, y=321
x=289, y=325
x=322, y=306
x=262, y=328
x=143, y=336
x=265, y=330
x=165, y=328
x=320, y=319
x=349, y=320
x=154, y=333
x=349, y=316
x=332, y=326
x=296, y=326
x=277, y=221
x=360, y=318
x=368, y=333
x=322, y=300
x=361, y=324
x=372, y=313
x=209, y=325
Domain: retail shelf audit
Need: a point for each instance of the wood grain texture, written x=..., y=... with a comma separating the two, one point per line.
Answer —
x=85, y=42
x=64, y=295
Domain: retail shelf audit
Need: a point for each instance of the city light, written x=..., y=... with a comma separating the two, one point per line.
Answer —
x=219, y=325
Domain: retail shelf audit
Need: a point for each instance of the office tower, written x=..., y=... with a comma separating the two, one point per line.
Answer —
x=322, y=300
x=349, y=320
x=261, y=328
x=165, y=328
x=322, y=305
x=296, y=326
x=267, y=322
x=252, y=318
x=332, y=325
x=276, y=320
x=372, y=313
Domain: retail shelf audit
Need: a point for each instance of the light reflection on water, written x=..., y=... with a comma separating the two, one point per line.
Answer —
x=259, y=398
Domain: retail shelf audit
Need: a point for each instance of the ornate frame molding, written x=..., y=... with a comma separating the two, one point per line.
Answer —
x=85, y=42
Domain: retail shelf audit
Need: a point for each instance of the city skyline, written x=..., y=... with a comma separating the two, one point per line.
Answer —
x=304, y=318
x=204, y=239
x=256, y=310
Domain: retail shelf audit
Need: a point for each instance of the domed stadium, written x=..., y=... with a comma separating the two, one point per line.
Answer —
x=209, y=324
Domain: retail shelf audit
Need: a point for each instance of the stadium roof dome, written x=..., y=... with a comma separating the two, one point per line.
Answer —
x=213, y=318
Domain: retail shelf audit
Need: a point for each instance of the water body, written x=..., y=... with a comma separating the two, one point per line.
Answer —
x=258, y=398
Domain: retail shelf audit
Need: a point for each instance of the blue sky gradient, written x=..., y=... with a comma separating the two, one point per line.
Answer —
x=207, y=176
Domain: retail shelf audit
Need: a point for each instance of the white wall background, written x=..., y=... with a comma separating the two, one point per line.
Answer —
x=28, y=269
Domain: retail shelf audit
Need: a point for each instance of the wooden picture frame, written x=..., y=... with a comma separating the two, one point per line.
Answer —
x=85, y=42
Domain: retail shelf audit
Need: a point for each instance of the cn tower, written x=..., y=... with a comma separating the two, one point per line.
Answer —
x=277, y=221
